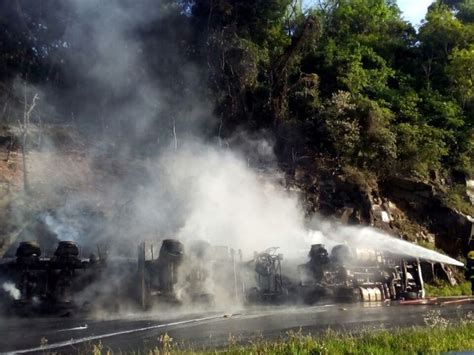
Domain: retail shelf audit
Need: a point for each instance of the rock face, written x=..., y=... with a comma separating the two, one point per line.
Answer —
x=335, y=194
x=410, y=209
x=423, y=203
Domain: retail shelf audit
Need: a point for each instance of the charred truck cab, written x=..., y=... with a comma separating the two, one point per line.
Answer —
x=157, y=277
x=193, y=271
x=48, y=284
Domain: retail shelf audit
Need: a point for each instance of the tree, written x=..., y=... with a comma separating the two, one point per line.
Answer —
x=461, y=72
x=439, y=35
x=32, y=39
x=421, y=148
x=24, y=130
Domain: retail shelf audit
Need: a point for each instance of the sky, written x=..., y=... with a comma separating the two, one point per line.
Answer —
x=414, y=10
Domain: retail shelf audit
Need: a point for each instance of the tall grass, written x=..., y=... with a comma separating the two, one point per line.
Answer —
x=443, y=289
x=439, y=336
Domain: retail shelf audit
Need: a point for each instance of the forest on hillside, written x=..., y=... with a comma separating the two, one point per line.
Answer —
x=347, y=78
x=344, y=88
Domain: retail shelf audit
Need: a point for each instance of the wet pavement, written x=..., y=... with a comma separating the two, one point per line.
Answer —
x=141, y=331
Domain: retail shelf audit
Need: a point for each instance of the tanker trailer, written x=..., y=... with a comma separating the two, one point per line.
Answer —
x=358, y=275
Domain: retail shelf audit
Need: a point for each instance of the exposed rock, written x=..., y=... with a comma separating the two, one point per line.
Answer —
x=411, y=209
x=423, y=204
x=406, y=188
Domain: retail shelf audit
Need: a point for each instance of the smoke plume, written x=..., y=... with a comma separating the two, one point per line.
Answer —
x=11, y=290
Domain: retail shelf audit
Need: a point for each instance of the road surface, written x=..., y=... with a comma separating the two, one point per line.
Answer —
x=66, y=335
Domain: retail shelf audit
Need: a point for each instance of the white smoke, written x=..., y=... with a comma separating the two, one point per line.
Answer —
x=210, y=194
x=204, y=192
x=218, y=198
x=110, y=54
x=63, y=231
x=10, y=288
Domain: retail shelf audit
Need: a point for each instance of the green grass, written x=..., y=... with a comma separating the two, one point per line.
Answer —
x=457, y=198
x=438, y=336
x=444, y=289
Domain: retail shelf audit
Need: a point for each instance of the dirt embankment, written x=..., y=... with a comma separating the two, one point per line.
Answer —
x=57, y=166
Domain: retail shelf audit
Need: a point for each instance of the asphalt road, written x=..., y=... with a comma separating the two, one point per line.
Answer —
x=66, y=335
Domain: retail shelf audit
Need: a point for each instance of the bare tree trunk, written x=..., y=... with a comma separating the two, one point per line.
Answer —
x=4, y=116
x=174, y=134
x=26, y=185
x=221, y=122
x=5, y=119
x=23, y=142
x=24, y=134
x=40, y=133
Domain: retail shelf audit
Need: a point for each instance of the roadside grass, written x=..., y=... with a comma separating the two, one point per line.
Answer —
x=438, y=336
x=443, y=289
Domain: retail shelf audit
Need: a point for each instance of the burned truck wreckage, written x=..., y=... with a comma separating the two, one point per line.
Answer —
x=46, y=284
x=200, y=275
x=359, y=276
x=345, y=275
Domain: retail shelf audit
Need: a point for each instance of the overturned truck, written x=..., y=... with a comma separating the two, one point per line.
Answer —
x=178, y=276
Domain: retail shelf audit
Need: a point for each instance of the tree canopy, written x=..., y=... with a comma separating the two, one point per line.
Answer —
x=348, y=78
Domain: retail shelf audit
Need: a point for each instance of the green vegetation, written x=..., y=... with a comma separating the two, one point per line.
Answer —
x=456, y=198
x=347, y=78
x=438, y=337
x=445, y=289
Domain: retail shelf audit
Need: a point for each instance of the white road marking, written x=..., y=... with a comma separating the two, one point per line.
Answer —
x=107, y=335
x=81, y=327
